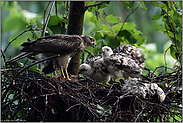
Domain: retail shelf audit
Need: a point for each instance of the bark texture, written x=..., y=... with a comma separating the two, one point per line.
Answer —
x=75, y=26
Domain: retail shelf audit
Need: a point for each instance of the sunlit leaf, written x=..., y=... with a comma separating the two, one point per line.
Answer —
x=117, y=27
x=101, y=11
x=157, y=4
x=112, y=19
x=129, y=26
x=93, y=19
x=105, y=27
x=160, y=27
x=143, y=5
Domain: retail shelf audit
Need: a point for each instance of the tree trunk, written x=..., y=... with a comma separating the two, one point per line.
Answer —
x=75, y=26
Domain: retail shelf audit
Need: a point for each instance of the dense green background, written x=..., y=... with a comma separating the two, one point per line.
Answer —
x=142, y=28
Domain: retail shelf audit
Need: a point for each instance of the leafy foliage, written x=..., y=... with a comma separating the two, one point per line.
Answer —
x=172, y=27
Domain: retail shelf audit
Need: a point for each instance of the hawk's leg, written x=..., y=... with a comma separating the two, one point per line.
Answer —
x=67, y=74
x=63, y=73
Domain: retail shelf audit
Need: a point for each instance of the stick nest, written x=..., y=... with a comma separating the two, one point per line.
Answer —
x=32, y=96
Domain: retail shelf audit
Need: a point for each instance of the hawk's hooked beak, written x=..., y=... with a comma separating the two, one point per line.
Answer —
x=94, y=45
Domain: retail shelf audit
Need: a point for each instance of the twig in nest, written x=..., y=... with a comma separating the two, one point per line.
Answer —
x=3, y=55
x=122, y=96
x=72, y=106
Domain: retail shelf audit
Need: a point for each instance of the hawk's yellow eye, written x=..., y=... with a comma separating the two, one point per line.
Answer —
x=92, y=40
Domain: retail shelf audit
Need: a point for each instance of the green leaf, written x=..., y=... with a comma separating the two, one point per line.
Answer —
x=100, y=11
x=54, y=20
x=128, y=35
x=180, y=4
x=131, y=4
x=160, y=27
x=156, y=17
x=173, y=51
x=142, y=47
x=39, y=24
x=90, y=2
x=111, y=19
x=105, y=4
x=93, y=8
x=105, y=28
x=139, y=38
x=49, y=31
x=117, y=27
x=129, y=26
x=34, y=68
x=56, y=25
x=167, y=27
x=93, y=18
x=99, y=35
x=110, y=40
x=178, y=37
x=57, y=29
x=124, y=33
x=142, y=4
x=127, y=4
x=60, y=2
x=157, y=4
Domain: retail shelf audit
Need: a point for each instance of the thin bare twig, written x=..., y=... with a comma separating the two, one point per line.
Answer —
x=128, y=15
x=72, y=106
x=16, y=38
x=47, y=19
